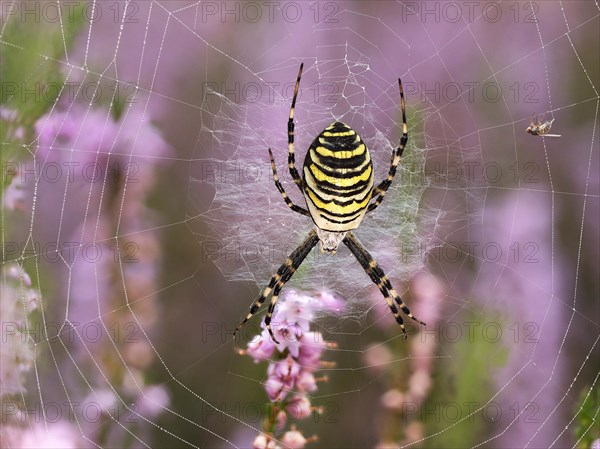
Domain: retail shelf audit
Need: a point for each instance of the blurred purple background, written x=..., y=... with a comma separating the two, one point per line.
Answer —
x=509, y=221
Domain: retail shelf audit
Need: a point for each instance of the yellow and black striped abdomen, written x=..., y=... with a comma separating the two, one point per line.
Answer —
x=338, y=178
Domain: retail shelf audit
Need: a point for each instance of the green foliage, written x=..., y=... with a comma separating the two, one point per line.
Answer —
x=588, y=429
x=462, y=386
x=32, y=56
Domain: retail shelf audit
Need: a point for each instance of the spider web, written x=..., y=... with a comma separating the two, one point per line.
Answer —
x=246, y=246
x=139, y=215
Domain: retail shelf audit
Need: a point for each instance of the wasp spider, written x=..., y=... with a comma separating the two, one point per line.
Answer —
x=337, y=184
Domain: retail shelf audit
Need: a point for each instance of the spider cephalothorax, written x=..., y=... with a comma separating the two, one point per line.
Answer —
x=337, y=184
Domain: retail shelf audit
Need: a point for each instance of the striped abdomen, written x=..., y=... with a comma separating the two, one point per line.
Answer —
x=338, y=178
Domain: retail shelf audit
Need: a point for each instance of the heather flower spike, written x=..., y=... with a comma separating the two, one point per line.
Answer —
x=292, y=364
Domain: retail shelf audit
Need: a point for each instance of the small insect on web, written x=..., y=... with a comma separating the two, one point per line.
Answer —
x=540, y=128
x=337, y=184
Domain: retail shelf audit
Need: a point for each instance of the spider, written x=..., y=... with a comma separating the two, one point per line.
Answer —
x=337, y=184
x=539, y=128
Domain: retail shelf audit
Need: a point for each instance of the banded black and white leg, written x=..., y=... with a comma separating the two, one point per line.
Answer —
x=384, y=185
x=291, y=155
x=278, y=280
x=380, y=279
x=286, y=198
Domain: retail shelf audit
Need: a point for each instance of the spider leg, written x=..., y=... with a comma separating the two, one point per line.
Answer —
x=287, y=200
x=278, y=280
x=380, y=279
x=291, y=160
x=382, y=188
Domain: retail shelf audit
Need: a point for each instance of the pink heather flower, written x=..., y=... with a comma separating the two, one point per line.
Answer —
x=17, y=273
x=281, y=420
x=14, y=197
x=103, y=399
x=414, y=431
x=288, y=334
x=58, y=435
x=291, y=321
x=11, y=117
x=80, y=133
x=84, y=130
x=331, y=302
x=18, y=299
x=153, y=400
x=306, y=381
x=293, y=439
x=311, y=349
x=386, y=445
x=377, y=358
x=419, y=383
x=282, y=376
x=261, y=347
x=393, y=399
x=300, y=308
x=8, y=115
x=430, y=293
x=299, y=407
x=260, y=442
x=297, y=309
x=138, y=133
